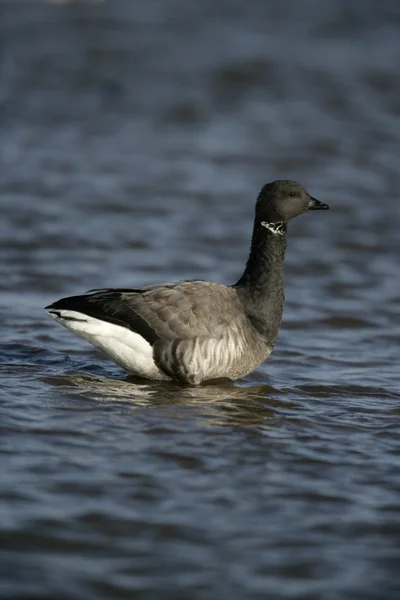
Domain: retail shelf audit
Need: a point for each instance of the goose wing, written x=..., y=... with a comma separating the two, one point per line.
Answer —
x=182, y=310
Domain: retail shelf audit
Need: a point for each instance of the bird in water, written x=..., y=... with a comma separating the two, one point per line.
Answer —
x=195, y=331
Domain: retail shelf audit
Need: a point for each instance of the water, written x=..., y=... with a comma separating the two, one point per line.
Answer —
x=134, y=139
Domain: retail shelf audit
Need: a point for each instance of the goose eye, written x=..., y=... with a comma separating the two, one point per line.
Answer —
x=292, y=193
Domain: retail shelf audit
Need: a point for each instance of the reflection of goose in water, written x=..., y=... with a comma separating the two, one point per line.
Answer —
x=195, y=331
x=215, y=405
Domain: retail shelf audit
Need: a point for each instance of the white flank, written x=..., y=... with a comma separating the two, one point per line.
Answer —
x=126, y=348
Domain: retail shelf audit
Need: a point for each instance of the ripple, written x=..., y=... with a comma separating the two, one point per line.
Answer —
x=132, y=152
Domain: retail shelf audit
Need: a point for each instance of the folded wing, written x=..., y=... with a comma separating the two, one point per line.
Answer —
x=183, y=310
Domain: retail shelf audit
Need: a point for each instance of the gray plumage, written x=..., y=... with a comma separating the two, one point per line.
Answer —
x=194, y=331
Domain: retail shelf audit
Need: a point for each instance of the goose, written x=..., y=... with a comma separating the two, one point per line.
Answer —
x=195, y=331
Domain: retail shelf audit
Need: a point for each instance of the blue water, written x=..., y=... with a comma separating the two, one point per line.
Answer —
x=134, y=140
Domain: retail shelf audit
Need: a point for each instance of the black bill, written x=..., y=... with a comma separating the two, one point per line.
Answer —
x=315, y=204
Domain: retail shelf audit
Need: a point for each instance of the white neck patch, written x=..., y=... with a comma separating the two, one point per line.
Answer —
x=277, y=228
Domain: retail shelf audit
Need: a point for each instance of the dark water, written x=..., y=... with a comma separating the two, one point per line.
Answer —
x=134, y=139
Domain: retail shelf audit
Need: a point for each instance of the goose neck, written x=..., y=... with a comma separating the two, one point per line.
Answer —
x=264, y=268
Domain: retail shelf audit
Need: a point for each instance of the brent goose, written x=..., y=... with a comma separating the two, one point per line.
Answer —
x=195, y=331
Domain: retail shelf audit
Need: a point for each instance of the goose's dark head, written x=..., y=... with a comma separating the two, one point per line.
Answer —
x=283, y=200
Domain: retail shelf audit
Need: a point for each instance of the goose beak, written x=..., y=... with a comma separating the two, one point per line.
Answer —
x=315, y=204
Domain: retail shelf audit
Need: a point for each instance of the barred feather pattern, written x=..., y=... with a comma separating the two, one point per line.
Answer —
x=231, y=353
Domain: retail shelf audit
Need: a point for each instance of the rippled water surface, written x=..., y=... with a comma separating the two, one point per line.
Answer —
x=134, y=140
